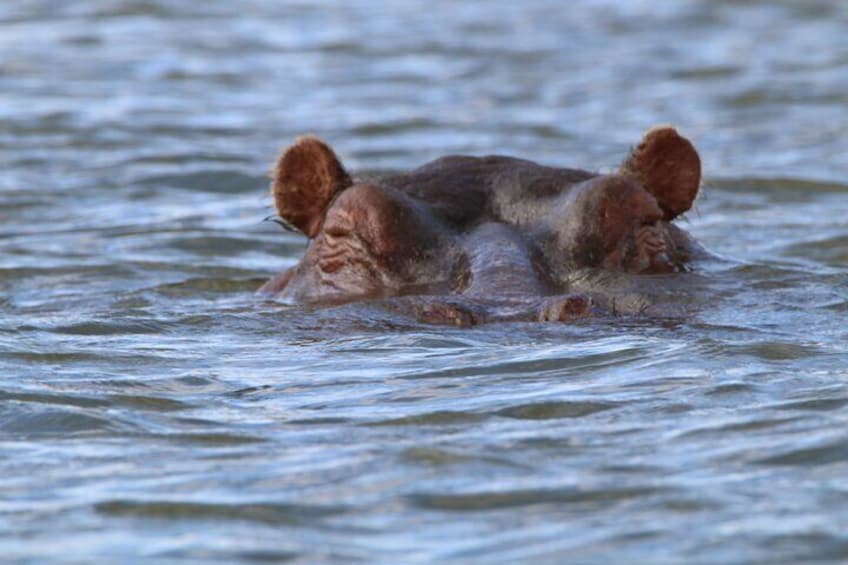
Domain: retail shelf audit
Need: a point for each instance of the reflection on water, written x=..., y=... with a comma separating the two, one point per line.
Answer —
x=150, y=406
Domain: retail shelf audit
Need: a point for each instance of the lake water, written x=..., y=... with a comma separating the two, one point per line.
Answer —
x=152, y=407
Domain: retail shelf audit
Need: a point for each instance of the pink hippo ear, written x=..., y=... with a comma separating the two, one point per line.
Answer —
x=306, y=178
x=668, y=166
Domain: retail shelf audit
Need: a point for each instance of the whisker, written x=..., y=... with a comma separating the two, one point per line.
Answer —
x=282, y=223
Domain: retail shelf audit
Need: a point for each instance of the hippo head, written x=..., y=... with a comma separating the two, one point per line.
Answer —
x=365, y=239
x=609, y=222
x=616, y=225
x=625, y=217
x=621, y=222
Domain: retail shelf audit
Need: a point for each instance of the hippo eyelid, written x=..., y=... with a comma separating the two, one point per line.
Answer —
x=338, y=224
x=336, y=230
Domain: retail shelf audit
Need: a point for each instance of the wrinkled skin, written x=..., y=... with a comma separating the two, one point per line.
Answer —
x=482, y=238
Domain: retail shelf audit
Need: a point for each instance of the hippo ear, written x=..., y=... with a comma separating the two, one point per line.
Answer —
x=306, y=178
x=668, y=166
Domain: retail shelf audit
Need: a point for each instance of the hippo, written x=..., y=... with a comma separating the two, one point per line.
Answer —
x=476, y=239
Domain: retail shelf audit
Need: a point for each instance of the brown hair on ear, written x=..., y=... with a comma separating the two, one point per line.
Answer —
x=668, y=166
x=306, y=178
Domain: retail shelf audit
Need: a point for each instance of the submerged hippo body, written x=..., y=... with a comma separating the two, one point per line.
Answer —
x=482, y=237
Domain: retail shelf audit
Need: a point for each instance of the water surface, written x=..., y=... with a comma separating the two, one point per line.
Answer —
x=152, y=407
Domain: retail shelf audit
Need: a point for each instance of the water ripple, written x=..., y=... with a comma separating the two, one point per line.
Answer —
x=479, y=501
x=274, y=514
x=152, y=408
x=554, y=410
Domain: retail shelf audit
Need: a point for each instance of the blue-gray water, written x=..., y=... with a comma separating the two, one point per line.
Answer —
x=152, y=407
